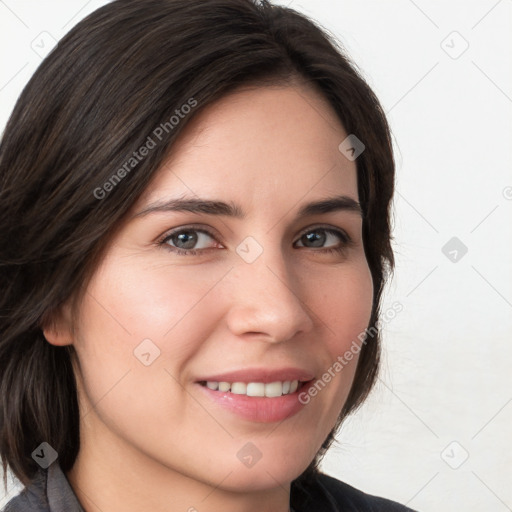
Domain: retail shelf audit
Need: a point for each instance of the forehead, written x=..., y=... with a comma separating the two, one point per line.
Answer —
x=264, y=144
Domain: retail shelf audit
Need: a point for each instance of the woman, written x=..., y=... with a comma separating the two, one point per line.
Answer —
x=195, y=238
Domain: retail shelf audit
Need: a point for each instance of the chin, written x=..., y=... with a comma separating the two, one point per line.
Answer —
x=278, y=469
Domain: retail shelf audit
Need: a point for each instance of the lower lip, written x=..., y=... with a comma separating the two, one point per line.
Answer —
x=257, y=409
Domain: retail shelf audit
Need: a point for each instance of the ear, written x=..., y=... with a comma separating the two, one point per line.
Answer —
x=57, y=326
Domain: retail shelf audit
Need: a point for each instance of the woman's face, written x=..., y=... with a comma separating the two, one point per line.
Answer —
x=271, y=294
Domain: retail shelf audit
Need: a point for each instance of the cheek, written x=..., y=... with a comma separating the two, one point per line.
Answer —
x=129, y=302
x=126, y=305
x=344, y=308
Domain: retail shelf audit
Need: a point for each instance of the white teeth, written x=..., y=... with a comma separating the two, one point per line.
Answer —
x=270, y=389
x=223, y=386
x=240, y=388
x=255, y=389
x=273, y=389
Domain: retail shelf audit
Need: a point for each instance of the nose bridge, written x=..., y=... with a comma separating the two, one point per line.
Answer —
x=266, y=298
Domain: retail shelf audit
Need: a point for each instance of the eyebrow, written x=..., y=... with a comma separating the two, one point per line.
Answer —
x=230, y=209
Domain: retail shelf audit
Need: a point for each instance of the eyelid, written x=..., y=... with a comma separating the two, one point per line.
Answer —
x=328, y=228
x=192, y=227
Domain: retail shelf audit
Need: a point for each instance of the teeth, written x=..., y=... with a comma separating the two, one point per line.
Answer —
x=255, y=389
x=270, y=389
x=240, y=388
x=223, y=386
x=274, y=389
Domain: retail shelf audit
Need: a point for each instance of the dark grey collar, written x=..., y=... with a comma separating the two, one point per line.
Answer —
x=60, y=493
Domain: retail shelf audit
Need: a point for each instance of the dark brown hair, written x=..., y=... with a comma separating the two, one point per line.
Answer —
x=110, y=82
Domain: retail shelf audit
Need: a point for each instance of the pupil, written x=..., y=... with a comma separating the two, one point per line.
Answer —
x=182, y=237
x=314, y=237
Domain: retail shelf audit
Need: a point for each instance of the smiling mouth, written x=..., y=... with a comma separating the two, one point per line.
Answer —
x=257, y=389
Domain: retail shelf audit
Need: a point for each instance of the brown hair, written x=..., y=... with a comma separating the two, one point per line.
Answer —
x=114, y=78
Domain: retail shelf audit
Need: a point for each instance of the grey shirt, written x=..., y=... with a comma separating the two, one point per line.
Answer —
x=50, y=491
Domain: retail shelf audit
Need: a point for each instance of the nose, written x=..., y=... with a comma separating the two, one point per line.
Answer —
x=268, y=300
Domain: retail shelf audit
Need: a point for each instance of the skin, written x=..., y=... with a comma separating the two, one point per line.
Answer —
x=150, y=438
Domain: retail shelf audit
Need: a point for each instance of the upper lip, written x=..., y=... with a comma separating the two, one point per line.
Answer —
x=264, y=375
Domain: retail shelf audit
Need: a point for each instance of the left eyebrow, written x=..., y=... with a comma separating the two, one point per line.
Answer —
x=331, y=204
x=221, y=208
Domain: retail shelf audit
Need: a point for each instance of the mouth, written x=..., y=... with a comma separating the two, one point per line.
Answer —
x=257, y=389
x=256, y=402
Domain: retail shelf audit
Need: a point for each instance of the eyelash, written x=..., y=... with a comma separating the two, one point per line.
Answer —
x=346, y=241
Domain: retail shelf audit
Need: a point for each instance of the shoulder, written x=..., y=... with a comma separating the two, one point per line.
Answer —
x=32, y=498
x=327, y=494
x=360, y=500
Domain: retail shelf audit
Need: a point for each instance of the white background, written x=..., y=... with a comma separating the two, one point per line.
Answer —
x=445, y=390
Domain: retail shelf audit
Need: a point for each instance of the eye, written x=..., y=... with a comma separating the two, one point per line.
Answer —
x=184, y=240
x=320, y=235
